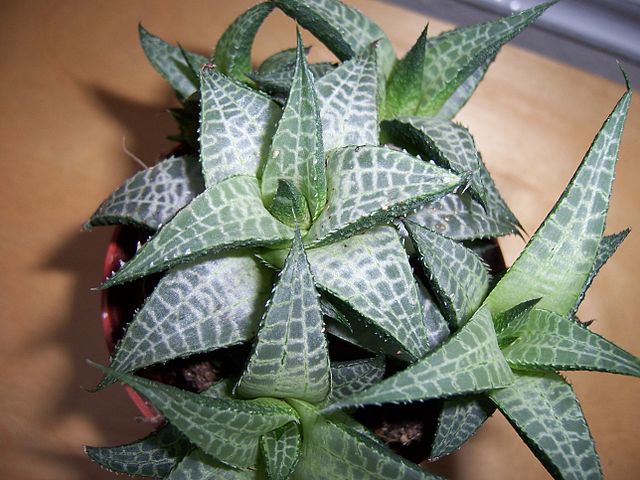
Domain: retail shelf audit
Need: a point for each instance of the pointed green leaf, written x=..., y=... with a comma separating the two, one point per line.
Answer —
x=559, y=258
x=334, y=450
x=153, y=196
x=229, y=215
x=199, y=466
x=281, y=450
x=514, y=315
x=458, y=421
x=354, y=376
x=289, y=206
x=435, y=323
x=153, y=456
x=370, y=272
x=452, y=57
x=200, y=307
x=237, y=124
x=344, y=30
x=469, y=362
x=228, y=430
x=608, y=246
x=187, y=118
x=458, y=276
x=169, y=61
x=461, y=95
x=282, y=60
x=547, y=415
x=372, y=185
x=278, y=82
x=296, y=150
x=232, y=55
x=448, y=144
x=348, y=103
x=290, y=357
x=546, y=341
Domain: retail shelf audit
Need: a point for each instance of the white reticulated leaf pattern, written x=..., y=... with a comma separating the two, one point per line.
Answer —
x=370, y=185
x=278, y=82
x=354, y=376
x=290, y=357
x=296, y=152
x=237, y=124
x=437, y=327
x=226, y=216
x=544, y=340
x=210, y=304
x=348, y=103
x=547, y=415
x=228, y=430
x=468, y=362
x=457, y=275
x=281, y=450
x=153, y=196
x=199, y=466
x=370, y=272
x=558, y=260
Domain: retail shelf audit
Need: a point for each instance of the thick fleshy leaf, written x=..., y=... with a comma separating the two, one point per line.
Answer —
x=289, y=205
x=290, y=357
x=515, y=314
x=447, y=143
x=437, y=327
x=281, y=450
x=227, y=216
x=461, y=95
x=458, y=421
x=469, y=362
x=558, y=260
x=228, y=430
x=187, y=118
x=370, y=185
x=453, y=57
x=237, y=124
x=232, y=55
x=201, y=307
x=343, y=29
x=169, y=61
x=282, y=60
x=354, y=376
x=457, y=275
x=334, y=450
x=153, y=456
x=608, y=246
x=278, y=82
x=296, y=151
x=199, y=466
x=370, y=273
x=546, y=341
x=348, y=103
x=546, y=414
x=153, y=196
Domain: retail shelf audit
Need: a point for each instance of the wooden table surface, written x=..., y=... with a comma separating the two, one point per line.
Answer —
x=75, y=83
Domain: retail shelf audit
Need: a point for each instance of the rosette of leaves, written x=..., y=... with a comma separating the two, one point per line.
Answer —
x=316, y=164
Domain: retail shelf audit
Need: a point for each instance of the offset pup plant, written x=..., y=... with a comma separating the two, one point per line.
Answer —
x=353, y=183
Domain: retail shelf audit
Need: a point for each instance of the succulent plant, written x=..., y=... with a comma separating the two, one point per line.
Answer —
x=351, y=181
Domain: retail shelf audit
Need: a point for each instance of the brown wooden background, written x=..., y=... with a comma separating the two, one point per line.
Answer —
x=75, y=82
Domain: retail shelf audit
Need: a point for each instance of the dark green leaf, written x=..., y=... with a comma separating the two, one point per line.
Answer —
x=281, y=450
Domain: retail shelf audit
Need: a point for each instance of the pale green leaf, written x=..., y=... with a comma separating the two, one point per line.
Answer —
x=371, y=274
x=515, y=314
x=608, y=246
x=448, y=144
x=278, y=82
x=348, y=103
x=290, y=357
x=227, y=216
x=435, y=323
x=461, y=95
x=370, y=185
x=296, y=152
x=544, y=340
x=343, y=29
x=153, y=456
x=468, y=362
x=232, y=55
x=153, y=196
x=169, y=61
x=289, y=205
x=457, y=275
x=546, y=414
x=332, y=450
x=453, y=57
x=199, y=466
x=458, y=421
x=558, y=260
x=353, y=376
x=281, y=450
x=200, y=307
x=228, y=430
x=237, y=124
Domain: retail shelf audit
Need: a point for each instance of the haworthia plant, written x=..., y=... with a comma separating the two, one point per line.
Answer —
x=325, y=218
